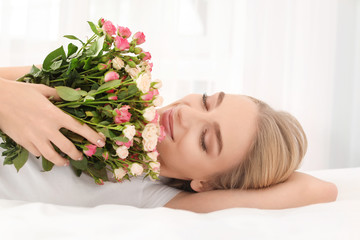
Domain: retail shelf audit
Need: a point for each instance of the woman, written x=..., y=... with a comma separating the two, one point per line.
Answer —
x=231, y=150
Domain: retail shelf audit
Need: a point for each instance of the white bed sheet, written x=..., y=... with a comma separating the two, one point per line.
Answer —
x=336, y=220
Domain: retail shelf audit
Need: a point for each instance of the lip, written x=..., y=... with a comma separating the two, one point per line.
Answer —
x=171, y=121
x=167, y=121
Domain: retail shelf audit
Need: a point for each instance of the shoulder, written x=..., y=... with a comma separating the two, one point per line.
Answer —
x=179, y=200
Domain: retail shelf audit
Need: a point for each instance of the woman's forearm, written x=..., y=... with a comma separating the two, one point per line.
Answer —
x=299, y=190
x=13, y=73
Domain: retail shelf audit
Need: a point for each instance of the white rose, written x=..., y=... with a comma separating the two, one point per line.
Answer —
x=129, y=132
x=158, y=101
x=151, y=131
x=122, y=152
x=158, y=83
x=153, y=155
x=119, y=173
x=143, y=82
x=155, y=166
x=117, y=63
x=144, y=65
x=149, y=113
x=133, y=72
x=149, y=144
x=136, y=169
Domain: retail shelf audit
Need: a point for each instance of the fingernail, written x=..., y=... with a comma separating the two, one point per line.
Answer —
x=100, y=143
x=81, y=158
x=66, y=163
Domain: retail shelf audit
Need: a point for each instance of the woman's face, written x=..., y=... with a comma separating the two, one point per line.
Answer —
x=205, y=140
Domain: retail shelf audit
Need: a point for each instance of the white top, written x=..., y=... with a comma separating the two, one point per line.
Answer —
x=61, y=186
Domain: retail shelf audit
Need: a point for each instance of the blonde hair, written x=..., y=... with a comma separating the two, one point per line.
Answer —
x=275, y=153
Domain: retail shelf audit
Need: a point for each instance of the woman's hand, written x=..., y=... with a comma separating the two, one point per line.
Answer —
x=31, y=120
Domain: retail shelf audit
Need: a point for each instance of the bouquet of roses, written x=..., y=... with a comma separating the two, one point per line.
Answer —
x=106, y=83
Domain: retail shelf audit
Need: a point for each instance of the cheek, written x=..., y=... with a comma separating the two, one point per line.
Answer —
x=188, y=149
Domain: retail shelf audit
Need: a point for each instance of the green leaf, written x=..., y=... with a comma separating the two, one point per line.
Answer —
x=108, y=133
x=46, y=164
x=74, y=63
x=121, y=95
x=51, y=57
x=105, y=123
x=83, y=93
x=96, y=47
x=55, y=65
x=68, y=94
x=99, y=173
x=132, y=89
x=34, y=70
x=82, y=165
x=74, y=38
x=21, y=159
x=93, y=28
x=71, y=49
x=9, y=160
x=108, y=85
x=121, y=139
x=87, y=63
x=77, y=172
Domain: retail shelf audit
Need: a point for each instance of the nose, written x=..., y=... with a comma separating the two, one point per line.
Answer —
x=190, y=117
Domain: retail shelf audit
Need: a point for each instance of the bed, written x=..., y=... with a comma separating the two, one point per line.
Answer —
x=336, y=220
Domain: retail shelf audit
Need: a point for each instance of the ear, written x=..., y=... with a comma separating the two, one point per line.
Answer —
x=199, y=186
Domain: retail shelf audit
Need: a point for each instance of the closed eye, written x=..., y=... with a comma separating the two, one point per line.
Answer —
x=202, y=141
x=204, y=101
x=202, y=137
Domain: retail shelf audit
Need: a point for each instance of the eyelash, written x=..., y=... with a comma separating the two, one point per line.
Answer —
x=204, y=98
x=202, y=138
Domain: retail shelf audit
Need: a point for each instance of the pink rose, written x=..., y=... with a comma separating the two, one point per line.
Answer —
x=90, y=149
x=156, y=118
x=109, y=28
x=127, y=144
x=162, y=133
x=150, y=66
x=121, y=43
x=101, y=22
x=147, y=56
x=111, y=91
x=123, y=115
x=140, y=38
x=105, y=155
x=148, y=96
x=155, y=92
x=99, y=181
x=124, y=32
x=111, y=75
x=112, y=97
x=102, y=66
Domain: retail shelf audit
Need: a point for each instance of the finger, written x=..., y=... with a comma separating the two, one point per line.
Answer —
x=66, y=146
x=32, y=149
x=50, y=154
x=48, y=91
x=84, y=130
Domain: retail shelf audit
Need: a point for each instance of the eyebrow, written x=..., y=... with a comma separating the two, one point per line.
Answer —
x=220, y=98
x=216, y=124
